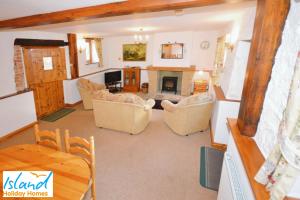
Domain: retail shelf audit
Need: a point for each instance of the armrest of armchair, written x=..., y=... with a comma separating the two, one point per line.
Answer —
x=99, y=86
x=149, y=104
x=168, y=106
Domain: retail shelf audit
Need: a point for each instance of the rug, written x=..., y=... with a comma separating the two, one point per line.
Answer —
x=158, y=104
x=211, y=161
x=57, y=115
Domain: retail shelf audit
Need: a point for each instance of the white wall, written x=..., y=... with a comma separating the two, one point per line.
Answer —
x=16, y=112
x=113, y=52
x=221, y=112
x=246, y=24
x=84, y=68
x=193, y=54
x=232, y=78
x=7, y=74
x=204, y=58
x=278, y=88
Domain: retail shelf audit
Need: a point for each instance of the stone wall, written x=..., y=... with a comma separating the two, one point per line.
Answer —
x=187, y=83
x=278, y=88
x=19, y=69
x=153, y=79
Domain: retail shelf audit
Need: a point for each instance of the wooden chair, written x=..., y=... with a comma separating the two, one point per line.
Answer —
x=48, y=138
x=85, y=149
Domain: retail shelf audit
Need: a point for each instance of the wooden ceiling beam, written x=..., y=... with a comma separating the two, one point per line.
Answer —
x=107, y=10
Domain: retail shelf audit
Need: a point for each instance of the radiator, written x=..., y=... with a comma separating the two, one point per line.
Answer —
x=230, y=186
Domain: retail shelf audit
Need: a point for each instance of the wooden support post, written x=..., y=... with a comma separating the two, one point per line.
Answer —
x=72, y=39
x=269, y=23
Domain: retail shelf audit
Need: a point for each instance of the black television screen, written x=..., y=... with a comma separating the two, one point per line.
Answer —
x=112, y=77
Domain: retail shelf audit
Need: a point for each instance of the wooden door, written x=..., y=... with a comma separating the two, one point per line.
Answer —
x=46, y=78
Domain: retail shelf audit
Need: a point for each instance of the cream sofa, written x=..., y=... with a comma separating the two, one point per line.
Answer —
x=86, y=89
x=190, y=115
x=131, y=114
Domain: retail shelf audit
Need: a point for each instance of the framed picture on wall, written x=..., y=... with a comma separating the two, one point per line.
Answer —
x=134, y=52
x=172, y=51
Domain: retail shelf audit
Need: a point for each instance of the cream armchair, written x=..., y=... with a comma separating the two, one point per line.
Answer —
x=190, y=115
x=122, y=114
x=86, y=89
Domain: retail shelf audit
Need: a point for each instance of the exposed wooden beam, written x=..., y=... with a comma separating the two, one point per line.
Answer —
x=72, y=40
x=107, y=10
x=38, y=42
x=269, y=23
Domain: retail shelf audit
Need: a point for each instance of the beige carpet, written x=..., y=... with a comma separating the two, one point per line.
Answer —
x=154, y=165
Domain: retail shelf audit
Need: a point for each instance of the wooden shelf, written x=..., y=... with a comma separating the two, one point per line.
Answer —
x=175, y=69
x=252, y=160
x=220, y=95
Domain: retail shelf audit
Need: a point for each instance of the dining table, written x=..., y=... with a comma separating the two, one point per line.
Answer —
x=71, y=174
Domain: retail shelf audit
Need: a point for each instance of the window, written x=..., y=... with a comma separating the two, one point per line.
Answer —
x=91, y=51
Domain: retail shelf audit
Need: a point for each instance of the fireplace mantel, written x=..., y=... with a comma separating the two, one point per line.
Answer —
x=171, y=69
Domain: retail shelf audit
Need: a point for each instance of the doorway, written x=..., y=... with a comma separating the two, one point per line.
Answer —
x=45, y=71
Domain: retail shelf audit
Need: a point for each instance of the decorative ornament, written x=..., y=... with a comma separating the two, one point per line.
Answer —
x=204, y=45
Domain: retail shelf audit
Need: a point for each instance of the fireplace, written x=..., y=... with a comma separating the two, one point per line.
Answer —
x=169, y=84
x=184, y=82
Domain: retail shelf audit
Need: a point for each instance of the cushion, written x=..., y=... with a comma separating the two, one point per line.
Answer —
x=100, y=94
x=123, y=98
x=195, y=99
x=149, y=104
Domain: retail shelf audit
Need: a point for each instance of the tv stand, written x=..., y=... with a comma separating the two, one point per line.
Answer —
x=114, y=86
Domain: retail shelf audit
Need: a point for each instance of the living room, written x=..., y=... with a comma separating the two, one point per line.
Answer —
x=191, y=79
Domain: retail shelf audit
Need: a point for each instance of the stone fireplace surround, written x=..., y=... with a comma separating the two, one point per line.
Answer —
x=186, y=84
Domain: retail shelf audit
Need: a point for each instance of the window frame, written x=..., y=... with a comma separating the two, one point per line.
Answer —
x=90, y=46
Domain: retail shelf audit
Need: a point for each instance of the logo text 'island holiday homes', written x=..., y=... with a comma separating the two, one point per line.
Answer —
x=27, y=184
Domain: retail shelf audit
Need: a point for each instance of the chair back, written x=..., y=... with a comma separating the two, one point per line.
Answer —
x=83, y=83
x=48, y=138
x=86, y=149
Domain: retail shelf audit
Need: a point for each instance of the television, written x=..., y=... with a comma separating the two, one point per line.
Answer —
x=112, y=77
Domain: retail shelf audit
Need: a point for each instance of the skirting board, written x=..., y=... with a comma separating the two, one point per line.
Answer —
x=221, y=147
x=16, y=132
x=74, y=104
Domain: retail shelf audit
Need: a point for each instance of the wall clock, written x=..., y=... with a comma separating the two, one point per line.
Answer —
x=204, y=45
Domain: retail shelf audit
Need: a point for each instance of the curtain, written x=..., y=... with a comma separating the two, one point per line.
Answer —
x=219, y=60
x=282, y=167
x=98, y=44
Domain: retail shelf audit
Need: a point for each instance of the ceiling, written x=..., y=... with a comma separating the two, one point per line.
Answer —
x=19, y=8
x=193, y=19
